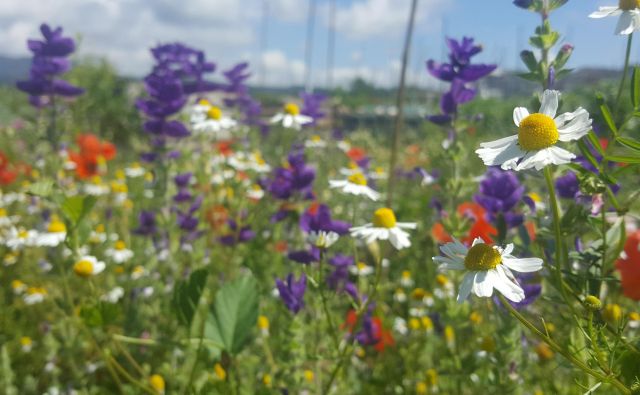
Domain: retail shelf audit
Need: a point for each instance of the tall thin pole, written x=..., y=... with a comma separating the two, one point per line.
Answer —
x=400, y=104
x=308, y=48
x=331, y=43
x=264, y=34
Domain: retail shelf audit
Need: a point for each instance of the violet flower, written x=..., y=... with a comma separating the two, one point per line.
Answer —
x=318, y=218
x=49, y=61
x=499, y=193
x=292, y=292
x=312, y=106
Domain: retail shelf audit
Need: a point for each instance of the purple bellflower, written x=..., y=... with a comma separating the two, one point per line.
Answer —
x=292, y=292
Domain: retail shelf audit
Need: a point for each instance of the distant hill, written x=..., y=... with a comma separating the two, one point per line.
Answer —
x=507, y=84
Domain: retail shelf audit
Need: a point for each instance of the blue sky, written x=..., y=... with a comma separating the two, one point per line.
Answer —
x=368, y=38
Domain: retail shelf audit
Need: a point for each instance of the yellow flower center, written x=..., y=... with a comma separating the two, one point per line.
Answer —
x=628, y=5
x=361, y=266
x=56, y=227
x=263, y=322
x=358, y=179
x=96, y=180
x=83, y=268
x=442, y=280
x=537, y=131
x=23, y=234
x=291, y=109
x=25, y=341
x=120, y=245
x=36, y=291
x=220, y=372
x=100, y=228
x=214, y=113
x=384, y=218
x=406, y=274
x=352, y=165
x=482, y=257
x=15, y=284
x=204, y=102
x=3, y=212
x=315, y=138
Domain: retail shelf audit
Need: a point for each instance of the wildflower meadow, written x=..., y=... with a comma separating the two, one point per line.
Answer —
x=185, y=233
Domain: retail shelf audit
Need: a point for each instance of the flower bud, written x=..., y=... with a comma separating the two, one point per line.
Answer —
x=592, y=303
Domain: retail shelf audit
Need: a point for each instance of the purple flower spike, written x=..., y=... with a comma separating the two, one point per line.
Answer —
x=292, y=292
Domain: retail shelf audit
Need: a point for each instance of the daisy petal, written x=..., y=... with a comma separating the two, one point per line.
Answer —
x=523, y=265
x=519, y=113
x=549, y=103
x=465, y=287
x=605, y=11
x=625, y=24
x=509, y=288
x=483, y=284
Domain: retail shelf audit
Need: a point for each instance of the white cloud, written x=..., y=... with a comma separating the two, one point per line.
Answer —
x=364, y=19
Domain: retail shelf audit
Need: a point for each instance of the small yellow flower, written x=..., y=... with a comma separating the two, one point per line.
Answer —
x=414, y=324
x=432, y=377
x=449, y=335
x=263, y=324
x=308, y=375
x=266, y=380
x=475, y=318
x=612, y=313
x=544, y=352
x=157, y=383
x=421, y=388
x=221, y=374
x=427, y=323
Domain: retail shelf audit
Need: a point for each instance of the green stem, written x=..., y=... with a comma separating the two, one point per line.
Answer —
x=625, y=70
x=323, y=298
x=555, y=347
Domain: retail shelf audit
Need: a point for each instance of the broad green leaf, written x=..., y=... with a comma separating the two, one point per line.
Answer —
x=234, y=314
x=75, y=208
x=635, y=87
x=42, y=188
x=186, y=296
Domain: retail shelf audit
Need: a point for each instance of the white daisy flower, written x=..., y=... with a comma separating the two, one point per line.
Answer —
x=208, y=119
x=55, y=234
x=534, y=145
x=135, y=170
x=26, y=344
x=113, y=296
x=315, y=142
x=291, y=117
x=384, y=227
x=255, y=192
x=361, y=269
x=138, y=272
x=378, y=173
x=406, y=280
x=17, y=239
x=119, y=253
x=34, y=295
x=400, y=296
x=258, y=164
x=629, y=11
x=344, y=145
x=323, y=239
x=96, y=187
x=18, y=287
x=487, y=267
x=355, y=184
x=6, y=220
x=88, y=266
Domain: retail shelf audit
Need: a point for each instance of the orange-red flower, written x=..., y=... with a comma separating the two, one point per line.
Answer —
x=479, y=228
x=356, y=154
x=91, y=151
x=629, y=267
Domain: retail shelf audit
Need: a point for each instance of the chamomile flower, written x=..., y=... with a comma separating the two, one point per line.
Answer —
x=138, y=272
x=315, y=142
x=255, y=192
x=355, y=184
x=534, y=145
x=98, y=235
x=26, y=344
x=209, y=119
x=34, y=295
x=291, y=117
x=361, y=269
x=486, y=267
x=17, y=239
x=113, y=296
x=629, y=12
x=135, y=170
x=384, y=226
x=88, y=266
x=258, y=164
x=6, y=220
x=55, y=234
x=378, y=173
x=351, y=169
x=119, y=253
x=18, y=287
x=322, y=239
x=96, y=187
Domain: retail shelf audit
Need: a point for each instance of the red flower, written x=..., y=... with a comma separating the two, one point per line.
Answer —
x=356, y=154
x=629, y=267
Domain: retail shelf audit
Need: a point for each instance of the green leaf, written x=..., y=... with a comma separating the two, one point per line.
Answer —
x=529, y=60
x=75, y=208
x=623, y=159
x=606, y=114
x=91, y=316
x=234, y=314
x=593, y=139
x=629, y=143
x=186, y=296
x=42, y=188
x=635, y=87
x=529, y=76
